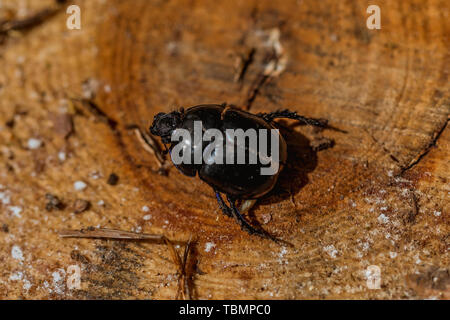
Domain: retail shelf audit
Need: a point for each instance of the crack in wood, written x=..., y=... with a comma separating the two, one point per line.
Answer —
x=245, y=62
x=415, y=208
x=274, y=63
x=31, y=21
x=98, y=113
x=382, y=146
x=427, y=149
x=254, y=90
x=145, y=139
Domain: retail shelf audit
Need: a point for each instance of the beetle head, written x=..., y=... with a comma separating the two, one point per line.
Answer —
x=164, y=124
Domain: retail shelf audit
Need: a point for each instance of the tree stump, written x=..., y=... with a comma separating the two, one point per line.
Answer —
x=379, y=198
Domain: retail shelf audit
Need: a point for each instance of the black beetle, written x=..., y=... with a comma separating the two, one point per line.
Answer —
x=236, y=181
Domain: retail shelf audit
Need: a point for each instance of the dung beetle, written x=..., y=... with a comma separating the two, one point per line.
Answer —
x=237, y=181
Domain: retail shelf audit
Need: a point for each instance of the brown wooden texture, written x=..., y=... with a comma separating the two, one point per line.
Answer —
x=380, y=196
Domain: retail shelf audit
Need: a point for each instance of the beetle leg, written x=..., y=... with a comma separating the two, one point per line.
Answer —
x=323, y=123
x=241, y=221
x=234, y=212
x=225, y=209
x=247, y=205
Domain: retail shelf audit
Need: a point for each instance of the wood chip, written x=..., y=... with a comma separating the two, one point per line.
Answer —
x=81, y=205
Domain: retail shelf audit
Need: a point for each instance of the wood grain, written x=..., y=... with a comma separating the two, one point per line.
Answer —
x=380, y=196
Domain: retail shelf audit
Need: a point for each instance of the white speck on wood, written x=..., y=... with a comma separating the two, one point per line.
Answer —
x=34, y=143
x=16, y=276
x=62, y=156
x=331, y=250
x=58, y=283
x=209, y=246
x=383, y=219
x=16, y=253
x=79, y=185
x=16, y=211
x=5, y=198
x=26, y=285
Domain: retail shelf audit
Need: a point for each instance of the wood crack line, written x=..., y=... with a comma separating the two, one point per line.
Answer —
x=31, y=21
x=422, y=154
x=386, y=151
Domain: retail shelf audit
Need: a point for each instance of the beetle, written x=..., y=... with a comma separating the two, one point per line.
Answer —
x=236, y=181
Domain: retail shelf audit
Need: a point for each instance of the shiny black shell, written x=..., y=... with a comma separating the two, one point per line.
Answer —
x=242, y=181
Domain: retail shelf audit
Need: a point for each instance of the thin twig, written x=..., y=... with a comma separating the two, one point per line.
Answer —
x=183, y=279
x=105, y=233
x=187, y=250
x=150, y=145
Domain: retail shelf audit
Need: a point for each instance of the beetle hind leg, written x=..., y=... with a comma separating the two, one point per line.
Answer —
x=233, y=212
x=242, y=222
x=322, y=123
x=225, y=209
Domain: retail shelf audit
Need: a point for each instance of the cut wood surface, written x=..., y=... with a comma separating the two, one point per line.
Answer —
x=378, y=197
